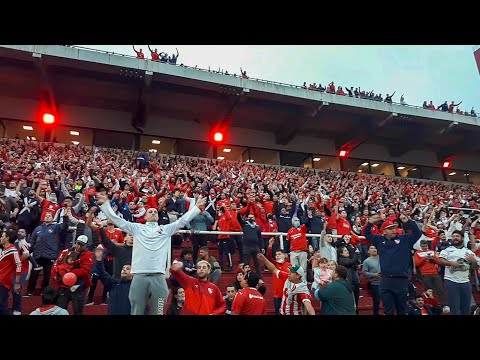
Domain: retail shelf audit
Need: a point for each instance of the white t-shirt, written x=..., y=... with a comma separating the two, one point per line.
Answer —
x=460, y=274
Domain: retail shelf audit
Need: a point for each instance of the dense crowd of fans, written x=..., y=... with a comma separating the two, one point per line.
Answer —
x=49, y=202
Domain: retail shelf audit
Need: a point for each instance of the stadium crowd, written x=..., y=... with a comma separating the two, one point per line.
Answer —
x=94, y=211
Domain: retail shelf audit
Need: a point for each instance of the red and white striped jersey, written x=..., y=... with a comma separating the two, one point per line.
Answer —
x=294, y=295
x=9, y=265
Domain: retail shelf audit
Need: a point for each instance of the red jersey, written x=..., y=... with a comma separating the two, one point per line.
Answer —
x=83, y=266
x=294, y=295
x=23, y=249
x=234, y=224
x=269, y=226
x=115, y=235
x=426, y=267
x=249, y=301
x=48, y=207
x=224, y=202
x=343, y=226
x=9, y=265
x=201, y=297
x=268, y=206
x=278, y=283
x=332, y=221
x=297, y=238
x=224, y=224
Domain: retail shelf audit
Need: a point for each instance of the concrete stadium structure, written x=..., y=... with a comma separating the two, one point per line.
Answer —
x=119, y=101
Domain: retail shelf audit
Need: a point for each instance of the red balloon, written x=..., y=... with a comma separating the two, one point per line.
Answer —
x=69, y=279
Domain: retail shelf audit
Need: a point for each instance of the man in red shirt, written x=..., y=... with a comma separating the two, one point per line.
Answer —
x=298, y=243
x=10, y=268
x=139, y=53
x=248, y=300
x=343, y=225
x=281, y=265
x=202, y=297
x=48, y=206
x=427, y=262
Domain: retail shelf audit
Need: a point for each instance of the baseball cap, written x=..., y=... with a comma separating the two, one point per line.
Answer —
x=82, y=239
x=68, y=197
x=297, y=269
x=388, y=224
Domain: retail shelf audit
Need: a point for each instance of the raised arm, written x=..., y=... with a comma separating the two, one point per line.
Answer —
x=79, y=205
x=122, y=224
x=172, y=228
x=269, y=265
x=374, y=239
x=410, y=224
x=107, y=280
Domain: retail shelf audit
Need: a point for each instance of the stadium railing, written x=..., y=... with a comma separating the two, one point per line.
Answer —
x=233, y=75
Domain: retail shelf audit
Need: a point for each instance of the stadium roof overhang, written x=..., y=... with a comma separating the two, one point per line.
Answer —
x=99, y=80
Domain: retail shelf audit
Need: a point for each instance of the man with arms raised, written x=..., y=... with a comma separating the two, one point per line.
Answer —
x=151, y=254
x=395, y=254
x=202, y=297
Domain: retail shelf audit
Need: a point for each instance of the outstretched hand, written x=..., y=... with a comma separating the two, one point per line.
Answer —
x=100, y=199
x=176, y=265
x=201, y=202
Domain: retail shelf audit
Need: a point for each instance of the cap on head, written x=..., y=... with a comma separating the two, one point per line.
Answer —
x=297, y=269
x=388, y=225
x=82, y=239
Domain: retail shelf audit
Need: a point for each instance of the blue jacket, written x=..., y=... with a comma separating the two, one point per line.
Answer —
x=119, y=304
x=395, y=254
x=45, y=239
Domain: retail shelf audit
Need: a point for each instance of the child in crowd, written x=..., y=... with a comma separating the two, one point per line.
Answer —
x=332, y=264
x=322, y=275
x=64, y=266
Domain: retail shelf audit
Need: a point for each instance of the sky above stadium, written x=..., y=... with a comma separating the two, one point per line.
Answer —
x=436, y=73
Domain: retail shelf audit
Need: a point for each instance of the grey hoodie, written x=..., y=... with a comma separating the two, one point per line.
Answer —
x=56, y=310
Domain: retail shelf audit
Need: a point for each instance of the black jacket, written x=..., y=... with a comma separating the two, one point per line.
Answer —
x=252, y=236
x=416, y=311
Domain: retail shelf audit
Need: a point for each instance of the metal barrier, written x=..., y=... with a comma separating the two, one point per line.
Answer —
x=281, y=235
x=464, y=209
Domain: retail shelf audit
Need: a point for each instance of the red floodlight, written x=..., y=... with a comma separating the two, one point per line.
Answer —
x=218, y=136
x=48, y=118
x=342, y=153
x=446, y=164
